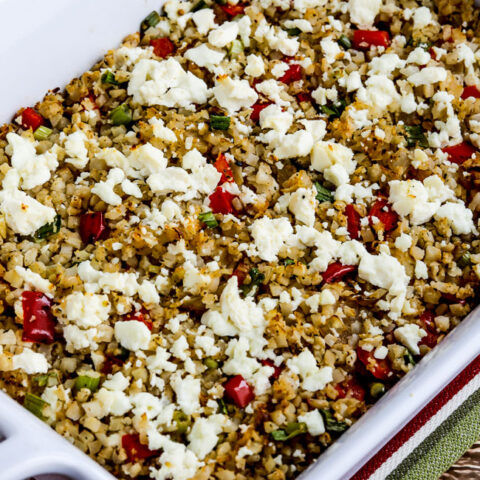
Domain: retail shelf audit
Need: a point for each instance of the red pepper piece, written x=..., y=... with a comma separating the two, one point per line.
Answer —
x=459, y=153
x=38, y=323
x=471, y=91
x=364, y=39
x=92, y=227
x=239, y=391
x=450, y=298
x=350, y=388
x=336, y=271
x=389, y=218
x=304, y=97
x=221, y=201
x=353, y=222
x=431, y=339
x=222, y=166
x=378, y=368
x=162, y=47
x=109, y=362
x=136, y=450
x=140, y=316
x=276, y=370
x=241, y=272
x=293, y=74
x=233, y=10
x=31, y=119
x=256, y=109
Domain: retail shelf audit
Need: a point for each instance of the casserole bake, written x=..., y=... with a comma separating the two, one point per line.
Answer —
x=294, y=192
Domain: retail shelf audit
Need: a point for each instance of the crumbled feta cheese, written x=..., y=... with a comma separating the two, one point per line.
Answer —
x=330, y=49
x=334, y=160
x=458, y=216
x=166, y=83
x=302, y=204
x=403, y=242
x=76, y=150
x=428, y=76
x=204, y=19
x=35, y=281
x=30, y=362
x=87, y=309
x=224, y=34
x=255, y=66
x=187, y=391
x=363, y=12
x=204, y=56
x=314, y=422
x=132, y=335
x=204, y=434
x=410, y=335
x=313, y=377
x=421, y=270
x=233, y=95
x=269, y=236
x=380, y=352
x=379, y=92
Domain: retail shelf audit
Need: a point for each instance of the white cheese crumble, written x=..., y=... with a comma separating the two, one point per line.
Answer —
x=76, y=150
x=30, y=362
x=233, y=95
x=269, y=236
x=87, y=309
x=35, y=281
x=314, y=422
x=363, y=12
x=409, y=335
x=313, y=377
x=204, y=434
x=132, y=335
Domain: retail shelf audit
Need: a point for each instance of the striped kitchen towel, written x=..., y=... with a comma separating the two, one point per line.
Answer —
x=436, y=438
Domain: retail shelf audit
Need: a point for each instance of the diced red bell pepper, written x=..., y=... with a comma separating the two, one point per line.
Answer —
x=450, y=298
x=221, y=201
x=353, y=222
x=140, y=316
x=135, y=450
x=364, y=39
x=459, y=153
x=31, y=119
x=276, y=370
x=241, y=272
x=304, y=97
x=233, y=10
x=431, y=339
x=389, y=218
x=222, y=166
x=109, y=362
x=471, y=91
x=92, y=227
x=336, y=271
x=256, y=109
x=162, y=47
x=350, y=388
x=38, y=323
x=239, y=391
x=293, y=74
x=379, y=368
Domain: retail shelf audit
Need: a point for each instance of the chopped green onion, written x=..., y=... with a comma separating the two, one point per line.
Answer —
x=42, y=380
x=48, y=229
x=182, y=420
x=219, y=122
x=109, y=77
x=84, y=381
x=345, y=42
x=210, y=363
x=42, y=133
x=235, y=49
x=121, y=115
x=408, y=357
x=291, y=430
x=208, y=218
x=256, y=279
x=335, y=109
x=464, y=260
x=150, y=20
x=198, y=6
x=288, y=261
x=331, y=425
x=323, y=194
x=35, y=405
x=222, y=406
x=377, y=389
x=293, y=32
x=415, y=135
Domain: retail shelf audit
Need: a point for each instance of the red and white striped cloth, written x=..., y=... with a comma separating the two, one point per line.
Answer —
x=423, y=425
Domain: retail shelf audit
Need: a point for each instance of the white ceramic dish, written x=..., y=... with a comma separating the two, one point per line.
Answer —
x=45, y=44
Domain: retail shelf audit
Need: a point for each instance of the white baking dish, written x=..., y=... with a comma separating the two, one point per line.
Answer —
x=42, y=46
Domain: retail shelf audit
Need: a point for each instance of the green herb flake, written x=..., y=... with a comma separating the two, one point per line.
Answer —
x=415, y=136
x=292, y=430
x=199, y=6
x=408, y=357
x=332, y=425
x=208, y=218
x=256, y=279
x=345, y=42
x=109, y=78
x=150, y=20
x=121, y=115
x=293, y=32
x=219, y=122
x=323, y=194
x=48, y=229
x=465, y=260
x=288, y=261
x=334, y=109
x=35, y=405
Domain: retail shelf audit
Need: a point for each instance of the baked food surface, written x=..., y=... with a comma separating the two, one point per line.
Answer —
x=224, y=242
